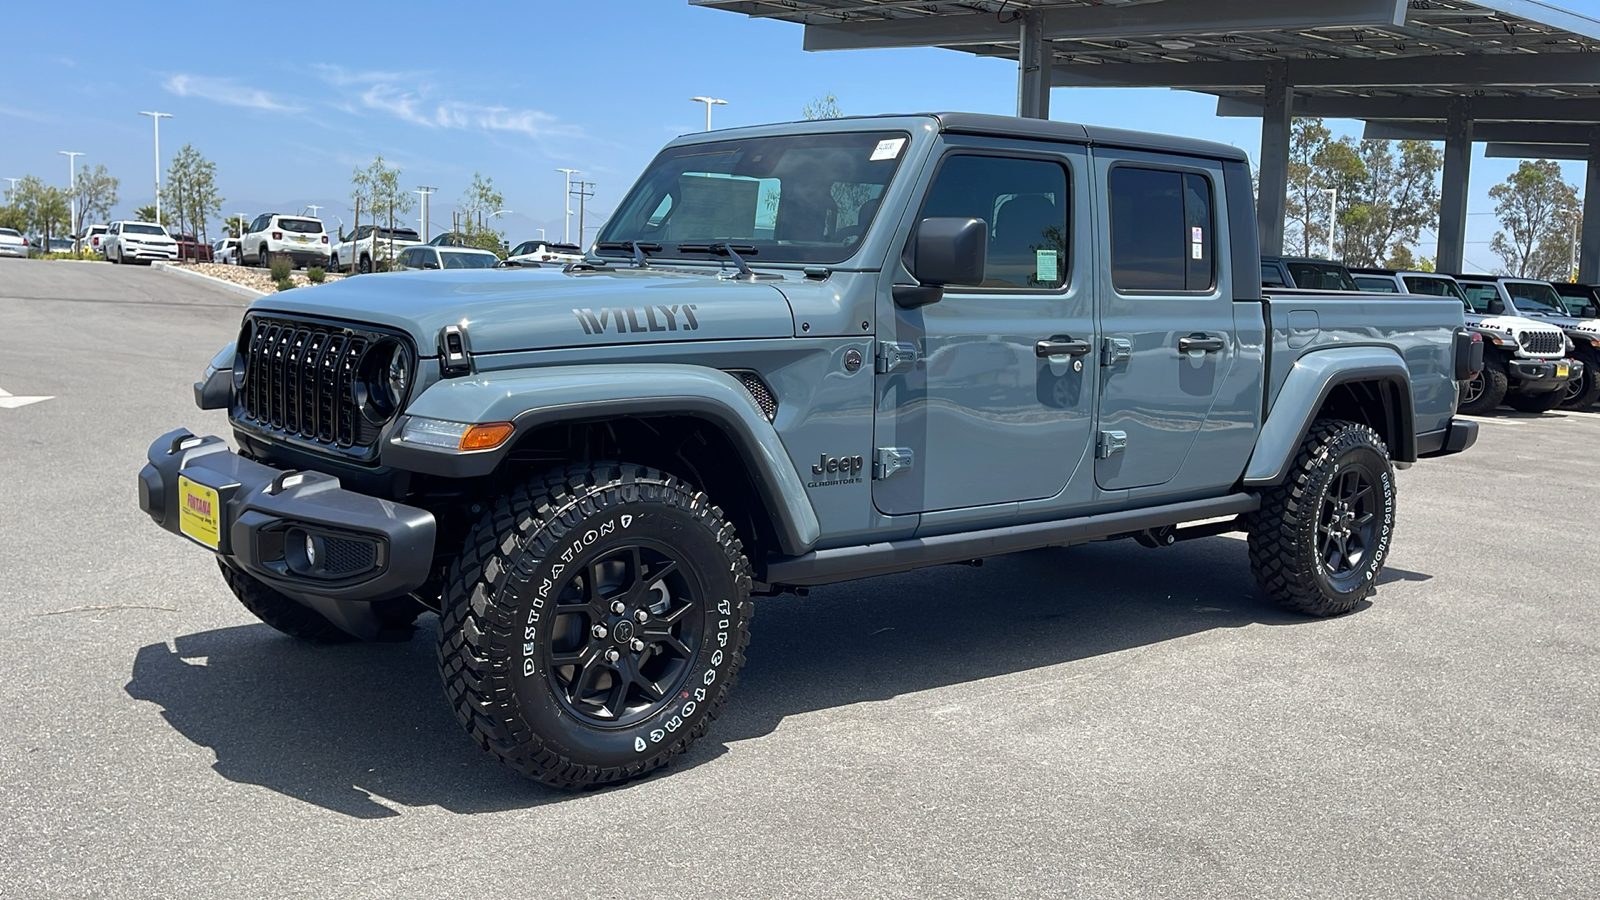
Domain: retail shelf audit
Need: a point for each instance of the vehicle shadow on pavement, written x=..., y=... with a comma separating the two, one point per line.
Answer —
x=363, y=729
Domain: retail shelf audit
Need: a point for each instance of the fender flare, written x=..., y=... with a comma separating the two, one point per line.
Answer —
x=1312, y=378
x=535, y=397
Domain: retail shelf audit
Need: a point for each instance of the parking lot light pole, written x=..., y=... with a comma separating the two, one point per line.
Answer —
x=72, y=193
x=11, y=190
x=425, y=192
x=1333, y=217
x=566, y=193
x=709, y=102
x=155, y=118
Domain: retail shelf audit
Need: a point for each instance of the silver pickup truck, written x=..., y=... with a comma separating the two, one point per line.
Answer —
x=798, y=354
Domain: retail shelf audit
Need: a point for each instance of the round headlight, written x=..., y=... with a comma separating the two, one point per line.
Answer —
x=399, y=374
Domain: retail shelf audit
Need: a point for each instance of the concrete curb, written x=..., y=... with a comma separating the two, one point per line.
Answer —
x=239, y=289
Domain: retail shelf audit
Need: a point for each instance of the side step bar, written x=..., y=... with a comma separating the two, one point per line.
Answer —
x=846, y=563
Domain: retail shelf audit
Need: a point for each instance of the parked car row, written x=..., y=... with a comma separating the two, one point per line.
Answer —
x=1541, y=340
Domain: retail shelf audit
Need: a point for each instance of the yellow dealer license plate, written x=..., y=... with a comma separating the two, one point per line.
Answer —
x=1562, y=369
x=199, y=512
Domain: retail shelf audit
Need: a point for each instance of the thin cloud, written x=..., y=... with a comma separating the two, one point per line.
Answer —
x=416, y=107
x=25, y=114
x=225, y=91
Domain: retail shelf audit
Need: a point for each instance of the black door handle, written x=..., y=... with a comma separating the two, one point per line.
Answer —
x=1200, y=342
x=1061, y=345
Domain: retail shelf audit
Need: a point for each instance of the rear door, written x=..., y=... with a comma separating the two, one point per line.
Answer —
x=1166, y=311
x=987, y=396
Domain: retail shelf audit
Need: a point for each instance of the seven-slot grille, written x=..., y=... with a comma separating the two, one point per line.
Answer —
x=298, y=380
x=1542, y=341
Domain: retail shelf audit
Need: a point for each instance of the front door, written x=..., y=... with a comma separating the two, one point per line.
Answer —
x=1166, y=311
x=987, y=396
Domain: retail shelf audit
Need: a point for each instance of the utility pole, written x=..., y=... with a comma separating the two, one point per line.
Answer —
x=566, y=191
x=155, y=118
x=426, y=193
x=583, y=193
x=709, y=102
x=11, y=190
x=72, y=193
x=313, y=207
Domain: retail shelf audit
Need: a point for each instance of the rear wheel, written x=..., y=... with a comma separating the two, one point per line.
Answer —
x=366, y=264
x=1319, y=540
x=594, y=624
x=1484, y=391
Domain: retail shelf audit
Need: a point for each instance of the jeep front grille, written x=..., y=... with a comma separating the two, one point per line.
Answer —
x=1542, y=342
x=299, y=379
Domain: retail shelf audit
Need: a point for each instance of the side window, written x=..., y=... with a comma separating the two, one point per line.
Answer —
x=1161, y=230
x=1271, y=277
x=1027, y=207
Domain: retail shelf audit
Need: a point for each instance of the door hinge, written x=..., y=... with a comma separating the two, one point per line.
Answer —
x=890, y=460
x=1115, y=350
x=1111, y=442
x=895, y=355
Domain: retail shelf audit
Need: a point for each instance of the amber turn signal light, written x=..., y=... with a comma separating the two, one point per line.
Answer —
x=486, y=435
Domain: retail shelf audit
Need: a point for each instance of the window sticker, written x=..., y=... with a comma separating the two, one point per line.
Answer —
x=1046, y=269
x=887, y=149
x=1197, y=240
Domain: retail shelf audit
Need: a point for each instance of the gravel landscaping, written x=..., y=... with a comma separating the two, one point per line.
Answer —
x=250, y=277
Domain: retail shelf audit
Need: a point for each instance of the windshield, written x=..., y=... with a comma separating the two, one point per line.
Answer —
x=301, y=226
x=795, y=198
x=1438, y=287
x=1535, y=297
x=1321, y=276
x=140, y=228
x=1376, y=284
x=457, y=259
x=1479, y=295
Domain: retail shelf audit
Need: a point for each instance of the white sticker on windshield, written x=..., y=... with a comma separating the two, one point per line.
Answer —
x=1045, y=267
x=887, y=149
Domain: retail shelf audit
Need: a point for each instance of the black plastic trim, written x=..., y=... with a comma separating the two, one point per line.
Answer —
x=864, y=561
x=1459, y=435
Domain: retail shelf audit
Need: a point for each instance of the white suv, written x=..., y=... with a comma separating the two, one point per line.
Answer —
x=300, y=238
x=126, y=242
x=545, y=252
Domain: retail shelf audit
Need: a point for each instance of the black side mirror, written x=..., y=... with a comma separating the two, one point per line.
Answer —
x=430, y=265
x=1496, y=306
x=1590, y=312
x=944, y=251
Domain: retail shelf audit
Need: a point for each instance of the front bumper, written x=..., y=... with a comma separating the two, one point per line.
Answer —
x=162, y=254
x=298, y=532
x=1537, y=376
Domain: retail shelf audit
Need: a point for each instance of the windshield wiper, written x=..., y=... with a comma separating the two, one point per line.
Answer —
x=724, y=248
x=639, y=248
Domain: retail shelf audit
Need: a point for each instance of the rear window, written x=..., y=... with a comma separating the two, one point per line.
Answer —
x=301, y=226
x=11, y=231
x=1437, y=287
x=141, y=228
x=399, y=234
x=456, y=259
x=1319, y=276
x=1376, y=284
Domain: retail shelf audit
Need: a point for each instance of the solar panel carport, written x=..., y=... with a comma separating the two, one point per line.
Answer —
x=1521, y=75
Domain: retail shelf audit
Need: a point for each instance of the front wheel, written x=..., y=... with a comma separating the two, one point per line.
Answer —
x=1319, y=540
x=1582, y=392
x=1484, y=391
x=594, y=624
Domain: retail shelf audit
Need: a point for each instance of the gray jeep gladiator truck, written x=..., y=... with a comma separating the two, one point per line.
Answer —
x=796, y=355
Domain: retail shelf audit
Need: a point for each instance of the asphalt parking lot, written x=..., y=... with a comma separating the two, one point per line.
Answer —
x=1099, y=721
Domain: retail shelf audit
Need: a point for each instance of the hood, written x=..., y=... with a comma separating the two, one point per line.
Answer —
x=1510, y=324
x=534, y=309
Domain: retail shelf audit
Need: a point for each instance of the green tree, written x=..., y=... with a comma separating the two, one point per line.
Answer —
x=146, y=213
x=1387, y=199
x=1306, y=214
x=44, y=207
x=384, y=197
x=234, y=226
x=96, y=192
x=1537, y=210
x=824, y=107
x=481, y=201
x=12, y=217
x=191, y=192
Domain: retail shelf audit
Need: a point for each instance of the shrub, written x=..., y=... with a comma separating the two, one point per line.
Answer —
x=285, y=283
x=316, y=275
x=280, y=267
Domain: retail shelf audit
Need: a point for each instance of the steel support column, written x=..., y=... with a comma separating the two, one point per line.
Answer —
x=1033, y=68
x=1589, y=244
x=1453, y=196
x=1274, y=191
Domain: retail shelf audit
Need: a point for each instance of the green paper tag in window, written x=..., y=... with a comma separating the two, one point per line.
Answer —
x=1045, y=267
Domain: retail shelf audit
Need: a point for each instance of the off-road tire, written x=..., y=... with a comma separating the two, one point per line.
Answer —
x=1493, y=384
x=1588, y=390
x=1289, y=533
x=530, y=588
x=1536, y=403
x=304, y=623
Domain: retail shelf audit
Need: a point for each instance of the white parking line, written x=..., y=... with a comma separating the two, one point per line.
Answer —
x=8, y=401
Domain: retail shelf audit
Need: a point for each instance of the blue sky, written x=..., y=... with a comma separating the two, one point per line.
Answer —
x=287, y=106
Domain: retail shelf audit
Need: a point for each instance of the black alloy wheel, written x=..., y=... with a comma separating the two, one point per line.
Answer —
x=1472, y=389
x=1347, y=527
x=624, y=635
